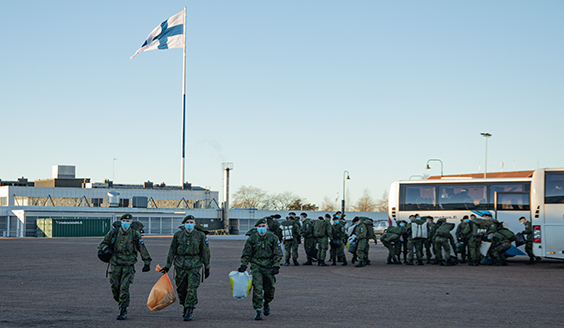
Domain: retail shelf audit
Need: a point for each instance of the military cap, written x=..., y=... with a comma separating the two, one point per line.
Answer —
x=188, y=217
x=126, y=216
x=263, y=220
x=276, y=216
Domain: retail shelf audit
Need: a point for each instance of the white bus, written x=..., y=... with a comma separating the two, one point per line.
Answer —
x=507, y=199
x=547, y=208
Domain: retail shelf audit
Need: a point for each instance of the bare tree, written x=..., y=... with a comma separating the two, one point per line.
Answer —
x=328, y=205
x=248, y=197
x=382, y=203
x=365, y=202
x=282, y=201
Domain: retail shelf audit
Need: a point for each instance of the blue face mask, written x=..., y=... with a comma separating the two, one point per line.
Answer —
x=336, y=221
x=125, y=225
x=401, y=224
x=189, y=226
x=338, y=216
x=261, y=230
x=466, y=220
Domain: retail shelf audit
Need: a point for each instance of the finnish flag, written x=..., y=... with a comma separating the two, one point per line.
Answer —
x=168, y=35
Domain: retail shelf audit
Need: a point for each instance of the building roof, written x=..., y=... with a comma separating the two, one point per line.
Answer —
x=490, y=175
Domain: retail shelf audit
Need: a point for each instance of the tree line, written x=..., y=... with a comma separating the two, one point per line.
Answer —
x=249, y=196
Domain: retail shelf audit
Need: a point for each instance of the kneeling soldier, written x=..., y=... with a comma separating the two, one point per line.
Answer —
x=263, y=251
x=189, y=250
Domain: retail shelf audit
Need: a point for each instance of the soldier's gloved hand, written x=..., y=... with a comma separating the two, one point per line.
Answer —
x=146, y=268
x=242, y=268
x=275, y=270
x=206, y=273
x=164, y=270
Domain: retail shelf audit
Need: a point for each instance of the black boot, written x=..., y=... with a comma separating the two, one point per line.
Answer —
x=419, y=262
x=184, y=311
x=188, y=315
x=322, y=263
x=344, y=262
x=122, y=313
x=258, y=316
x=295, y=264
x=441, y=262
x=334, y=263
x=360, y=264
x=308, y=262
x=286, y=263
x=389, y=261
x=266, y=308
x=410, y=262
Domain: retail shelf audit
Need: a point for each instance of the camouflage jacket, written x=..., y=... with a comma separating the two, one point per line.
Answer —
x=127, y=243
x=307, y=229
x=528, y=232
x=361, y=231
x=263, y=251
x=464, y=230
x=188, y=250
x=339, y=231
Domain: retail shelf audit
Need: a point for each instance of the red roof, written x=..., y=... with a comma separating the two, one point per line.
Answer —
x=490, y=175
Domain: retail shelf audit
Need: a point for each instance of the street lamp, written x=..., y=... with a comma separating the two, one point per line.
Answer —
x=114, y=170
x=435, y=160
x=343, y=202
x=486, y=135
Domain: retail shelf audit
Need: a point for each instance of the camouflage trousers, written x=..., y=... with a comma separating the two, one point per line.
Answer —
x=362, y=250
x=263, y=286
x=465, y=249
x=529, y=250
x=474, y=244
x=187, y=283
x=394, y=248
x=309, y=243
x=416, y=244
x=121, y=276
x=441, y=243
x=322, y=246
x=429, y=246
x=497, y=251
x=291, y=248
x=338, y=252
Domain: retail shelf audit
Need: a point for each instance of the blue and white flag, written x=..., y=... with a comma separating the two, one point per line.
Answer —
x=168, y=35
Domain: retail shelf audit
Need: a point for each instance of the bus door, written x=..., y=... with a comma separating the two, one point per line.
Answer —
x=509, y=207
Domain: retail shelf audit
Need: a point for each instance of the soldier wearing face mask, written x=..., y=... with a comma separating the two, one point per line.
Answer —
x=189, y=251
x=124, y=243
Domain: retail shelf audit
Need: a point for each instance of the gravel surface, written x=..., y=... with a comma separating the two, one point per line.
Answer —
x=60, y=282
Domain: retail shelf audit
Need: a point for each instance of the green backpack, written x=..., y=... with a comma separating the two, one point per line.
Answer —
x=480, y=227
x=444, y=229
x=508, y=234
x=369, y=227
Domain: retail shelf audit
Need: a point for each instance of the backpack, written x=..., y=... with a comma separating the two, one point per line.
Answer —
x=395, y=230
x=287, y=231
x=480, y=227
x=419, y=229
x=307, y=229
x=319, y=228
x=390, y=237
x=507, y=233
x=444, y=229
x=369, y=227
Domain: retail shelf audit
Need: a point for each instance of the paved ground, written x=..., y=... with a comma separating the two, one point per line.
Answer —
x=60, y=282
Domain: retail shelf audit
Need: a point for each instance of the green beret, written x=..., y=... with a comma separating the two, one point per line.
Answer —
x=263, y=220
x=188, y=217
x=126, y=216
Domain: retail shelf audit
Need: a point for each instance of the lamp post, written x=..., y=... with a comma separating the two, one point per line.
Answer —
x=486, y=135
x=114, y=170
x=435, y=160
x=343, y=202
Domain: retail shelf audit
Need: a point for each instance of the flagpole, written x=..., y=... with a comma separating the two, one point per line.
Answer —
x=182, y=180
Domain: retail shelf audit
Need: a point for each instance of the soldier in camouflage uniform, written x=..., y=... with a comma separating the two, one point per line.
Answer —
x=528, y=233
x=338, y=241
x=414, y=245
x=463, y=235
x=322, y=232
x=274, y=225
x=500, y=244
x=362, y=245
x=429, y=245
x=124, y=242
x=264, y=252
x=442, y=241
x=309, y=240
x=291, y=245
x=189, y=251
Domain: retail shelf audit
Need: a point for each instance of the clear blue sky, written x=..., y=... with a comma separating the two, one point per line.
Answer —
x=292, y=92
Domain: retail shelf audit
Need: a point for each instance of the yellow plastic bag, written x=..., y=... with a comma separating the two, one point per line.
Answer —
x=241, y=283
x=162, y=294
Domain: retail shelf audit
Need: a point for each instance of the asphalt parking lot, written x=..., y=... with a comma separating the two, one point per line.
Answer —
x=60, y=282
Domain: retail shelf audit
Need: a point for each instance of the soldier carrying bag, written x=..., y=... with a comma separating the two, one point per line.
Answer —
x=419, y=229
x=444, y=229
x=287, y=232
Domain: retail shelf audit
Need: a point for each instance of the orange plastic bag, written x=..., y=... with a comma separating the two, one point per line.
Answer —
x=162, y=294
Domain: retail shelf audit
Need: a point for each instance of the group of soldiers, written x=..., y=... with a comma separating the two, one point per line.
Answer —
x=190, y=254
x=411, y=237
x=326, y=233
